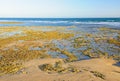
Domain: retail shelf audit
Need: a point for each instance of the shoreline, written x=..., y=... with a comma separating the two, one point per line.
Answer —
x=34, y=53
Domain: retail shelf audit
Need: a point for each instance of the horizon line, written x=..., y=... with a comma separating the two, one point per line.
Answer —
x=59, y=17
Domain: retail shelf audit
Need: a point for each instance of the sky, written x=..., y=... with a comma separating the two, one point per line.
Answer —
x=60, y=8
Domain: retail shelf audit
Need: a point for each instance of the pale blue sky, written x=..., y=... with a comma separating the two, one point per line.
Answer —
x=59, y=8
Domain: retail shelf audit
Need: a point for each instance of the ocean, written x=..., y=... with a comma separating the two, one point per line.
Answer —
x=80, y=22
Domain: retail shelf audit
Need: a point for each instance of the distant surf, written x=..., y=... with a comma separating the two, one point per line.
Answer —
x=81, y=22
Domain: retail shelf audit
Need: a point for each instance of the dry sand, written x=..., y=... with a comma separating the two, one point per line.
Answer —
x=104, y=66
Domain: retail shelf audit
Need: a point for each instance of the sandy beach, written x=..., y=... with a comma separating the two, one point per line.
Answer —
x=33, y=73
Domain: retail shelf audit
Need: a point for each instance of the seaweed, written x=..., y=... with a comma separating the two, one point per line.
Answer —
x=57, y=68
x=98, y=74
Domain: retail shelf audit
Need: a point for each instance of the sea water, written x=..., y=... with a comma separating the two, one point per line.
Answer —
x=80, y=22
